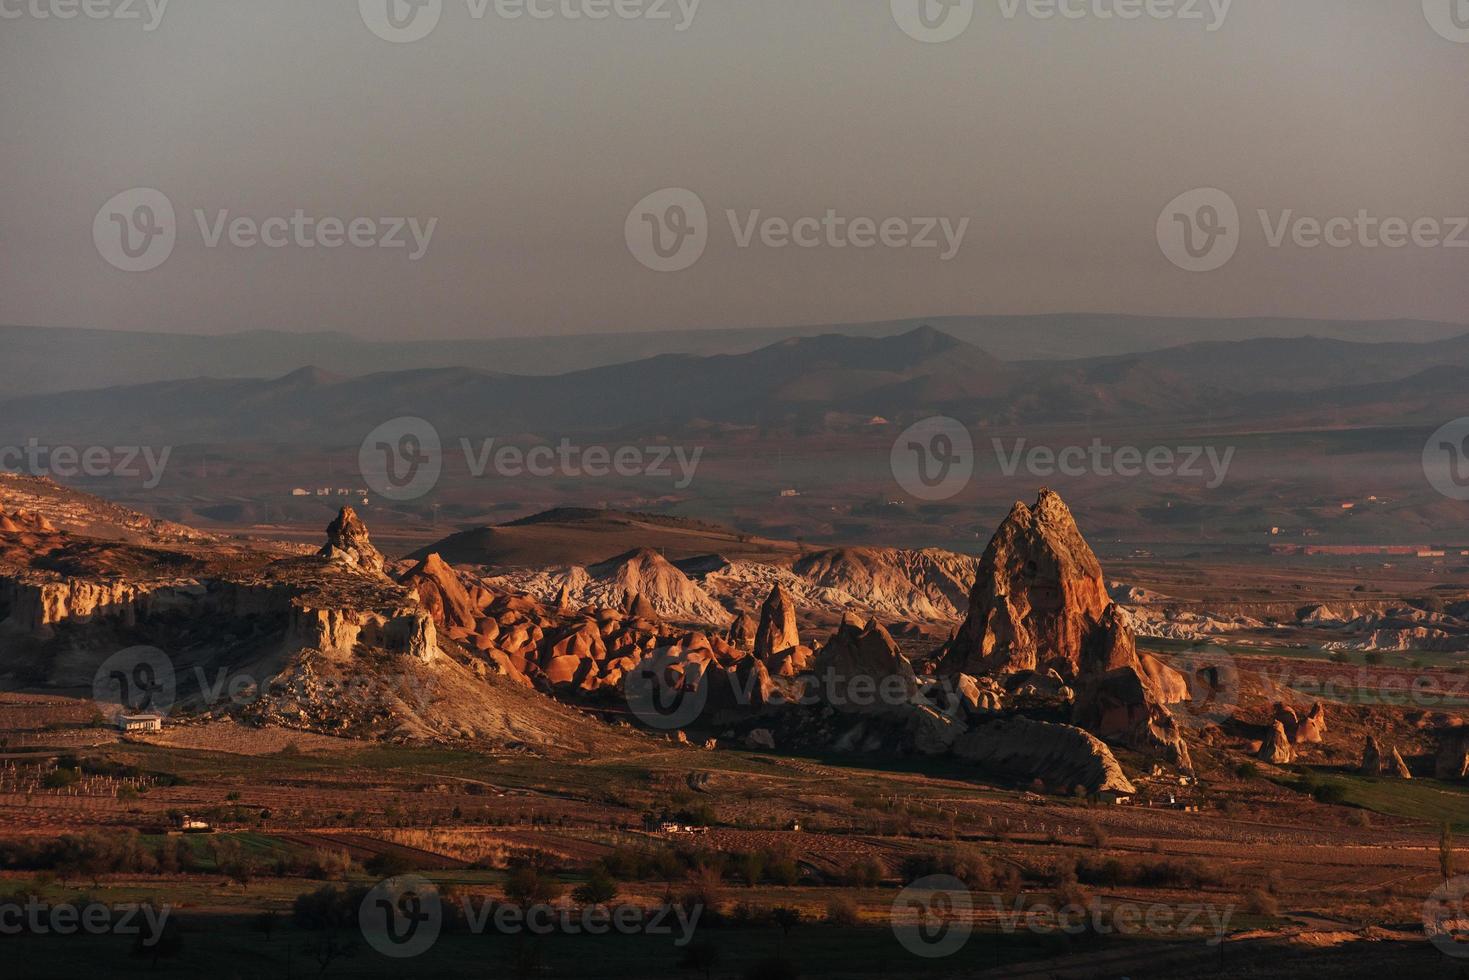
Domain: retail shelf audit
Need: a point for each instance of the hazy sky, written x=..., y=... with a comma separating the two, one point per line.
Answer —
x=531, y=140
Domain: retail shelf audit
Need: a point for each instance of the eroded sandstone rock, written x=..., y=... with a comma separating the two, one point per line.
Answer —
x=442, y=594
x=777, y=631
x=1061, y=756
x=862, y=670
x=1276, y=749
x=1039, y=600
x=1452, y=760
x=347, y=541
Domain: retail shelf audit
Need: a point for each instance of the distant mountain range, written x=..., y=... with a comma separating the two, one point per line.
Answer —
x=48, y=360
x=807, y=384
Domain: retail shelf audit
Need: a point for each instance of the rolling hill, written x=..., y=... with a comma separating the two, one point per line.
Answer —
x=807, y=384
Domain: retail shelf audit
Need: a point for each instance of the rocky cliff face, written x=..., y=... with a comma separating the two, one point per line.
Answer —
x=1378, y=761
x=777, y=641
x=442, y=594
x=1060, y=756
x=1039, y=601
x=348, y=542
x=1308, y=728
x=1119, y=705
x=861, y=669
x=1452, y=759
x=777, y=631
x=1276, y=748
x=35, y=604
x=1040, y=604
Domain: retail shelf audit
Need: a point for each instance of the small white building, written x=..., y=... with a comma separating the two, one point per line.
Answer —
x=140, y=723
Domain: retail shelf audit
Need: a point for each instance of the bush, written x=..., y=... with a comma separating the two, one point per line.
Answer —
x=328, y=908
x=842, y=911
x=1189, y=873
x=783, y=870
x=970, y=867
x=599, y=889
x=389, y=865
x=527, y=886
x=1260, y=902
x=865, y=873
x=326, y=865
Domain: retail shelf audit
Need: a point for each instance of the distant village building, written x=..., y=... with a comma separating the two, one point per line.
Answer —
x=140, y=723
x=790, y=493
